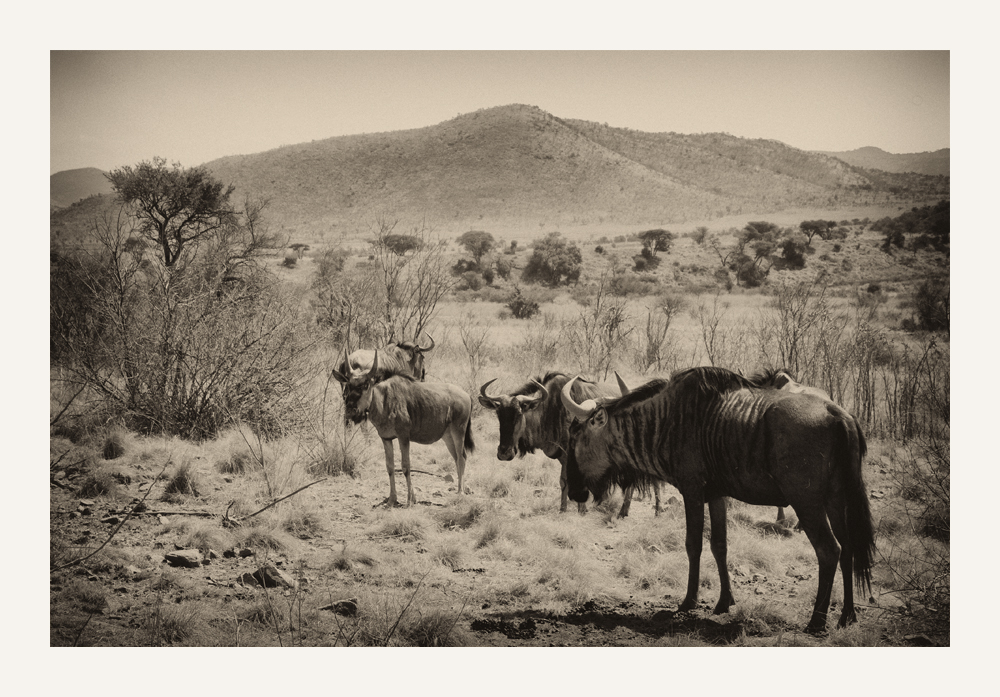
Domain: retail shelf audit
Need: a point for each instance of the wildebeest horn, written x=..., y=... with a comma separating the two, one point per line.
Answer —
x=621, y=384
x=580, y=411
x=536, y=398
x=371, y=373
x=482, y=390
x=423, y=348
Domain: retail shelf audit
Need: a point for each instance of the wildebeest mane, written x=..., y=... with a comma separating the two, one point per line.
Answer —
x=530, y=387
x=639, y=394
x=767, y=378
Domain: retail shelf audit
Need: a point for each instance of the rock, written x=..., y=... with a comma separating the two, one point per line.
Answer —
x=212, y=554
x=245, y=553
x=229, y=554
x=140, y=507
x=86, y=502
x=347, y=607
x=449, y=478
x=184, y=557
x=269, y=576
x=111, y=520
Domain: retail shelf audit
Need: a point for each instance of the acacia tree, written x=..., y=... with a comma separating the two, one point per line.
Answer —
x=657, y=240
x=478, y=244
x=174, y=206
x=554, y=261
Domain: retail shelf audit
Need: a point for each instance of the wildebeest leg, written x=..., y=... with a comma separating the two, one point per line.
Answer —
x=658, y=509
x=391, y=469
x=694, y=515
x=457, y=450
x=564, y=489
x=717, y=515
x=627, y=503
x=404, y=456
x=839, y=525
x=817, y=529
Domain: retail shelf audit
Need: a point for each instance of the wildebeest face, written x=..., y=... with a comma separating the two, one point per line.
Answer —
x=357, y=392
x=588, y=465
x=510, y=411
x=415, y=353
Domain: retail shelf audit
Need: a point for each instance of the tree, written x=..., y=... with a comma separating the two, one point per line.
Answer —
x=477, y=243
x=658, y=240
x=793, y=251
x=174, y=206
x=397, y=243
x=554, y=261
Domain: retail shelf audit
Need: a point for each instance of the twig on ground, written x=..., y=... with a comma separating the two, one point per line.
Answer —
x=118, y=527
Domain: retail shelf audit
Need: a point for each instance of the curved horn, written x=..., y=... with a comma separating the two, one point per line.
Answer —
x=371, y=373
x=580, y=411
x=482, y=390
x=423, y=348
x=536, y=398
x=621, y=384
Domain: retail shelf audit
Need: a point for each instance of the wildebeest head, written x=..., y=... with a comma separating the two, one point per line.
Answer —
x=413, y=353
x=357, y=391
x=510, y=411
x=588, y=466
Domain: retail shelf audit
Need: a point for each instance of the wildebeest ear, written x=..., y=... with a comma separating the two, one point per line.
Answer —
x=600, y=417
x=487, y=402
x=337, y=375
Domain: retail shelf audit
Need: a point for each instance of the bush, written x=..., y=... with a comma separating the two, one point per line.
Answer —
x=933, y=304
x=554, y=261
x=599, y=249
x=470, y=281
x=520, y=307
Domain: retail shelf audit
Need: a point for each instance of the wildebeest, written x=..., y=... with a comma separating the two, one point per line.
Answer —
x=401, y=358
x=781, y=379
x=533, y=417
x=401, y=407
x=712, y=434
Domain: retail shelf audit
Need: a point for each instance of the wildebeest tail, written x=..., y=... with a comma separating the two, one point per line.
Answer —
x=859, y=517
x=470, y=445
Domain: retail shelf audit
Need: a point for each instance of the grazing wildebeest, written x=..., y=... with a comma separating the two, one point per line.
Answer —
x=401, y=407
x=712, y=434
x=533, y=417
x=401, y=358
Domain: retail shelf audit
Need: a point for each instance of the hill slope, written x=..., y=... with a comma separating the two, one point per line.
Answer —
x=933, y=163
x=517, y=166
x=519, y=169
x=72, y=185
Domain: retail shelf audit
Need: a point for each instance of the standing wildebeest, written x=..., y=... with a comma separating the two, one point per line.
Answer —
x=402, y=358
x=712, y=434
x=402, y=407
x=533, y=417
x=781, y=379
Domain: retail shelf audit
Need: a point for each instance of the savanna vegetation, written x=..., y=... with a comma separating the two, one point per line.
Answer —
x=192, y=408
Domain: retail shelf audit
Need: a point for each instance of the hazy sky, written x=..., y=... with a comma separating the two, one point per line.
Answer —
x=110, y=108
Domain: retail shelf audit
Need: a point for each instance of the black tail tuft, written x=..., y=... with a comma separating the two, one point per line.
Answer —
x=470, y=445
x=859, y=517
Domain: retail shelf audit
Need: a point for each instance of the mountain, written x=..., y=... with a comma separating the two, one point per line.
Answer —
x=72, y=185
x=933, y=163
x=519, y=168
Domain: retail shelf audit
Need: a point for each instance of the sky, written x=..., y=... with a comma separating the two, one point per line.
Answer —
x=112, y=108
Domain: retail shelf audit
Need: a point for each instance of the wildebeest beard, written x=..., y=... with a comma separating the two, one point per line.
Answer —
x=355, y=417
x=613, y=476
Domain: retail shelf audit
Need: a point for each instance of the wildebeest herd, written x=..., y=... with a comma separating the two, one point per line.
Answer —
x=709, y=432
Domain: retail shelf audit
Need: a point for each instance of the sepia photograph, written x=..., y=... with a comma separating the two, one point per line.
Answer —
x=500, y=348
